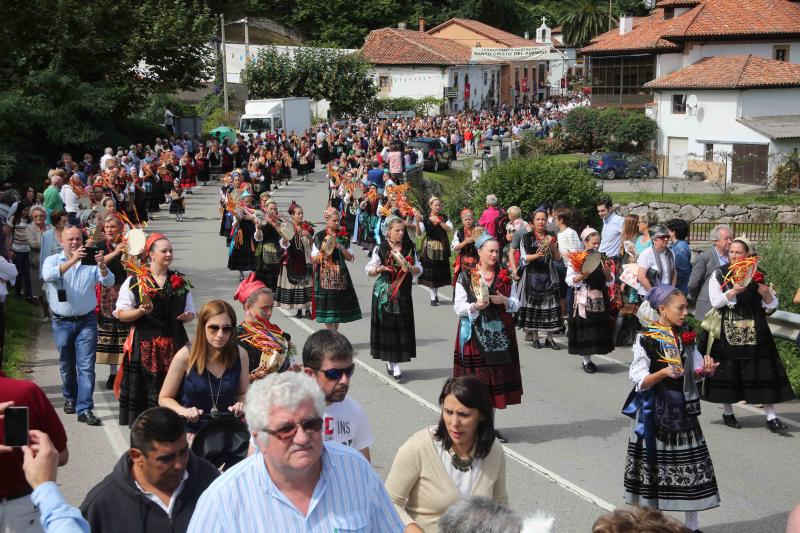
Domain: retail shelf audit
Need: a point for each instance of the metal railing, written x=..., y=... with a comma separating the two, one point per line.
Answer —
x=755, y=231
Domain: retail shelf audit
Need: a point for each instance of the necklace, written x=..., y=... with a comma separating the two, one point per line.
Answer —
x=214, y=410
x=462, y=465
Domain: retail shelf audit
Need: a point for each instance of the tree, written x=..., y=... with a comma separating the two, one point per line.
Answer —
x=580, y=124
x=610, y=127
x=320, y=74
x=583, y=20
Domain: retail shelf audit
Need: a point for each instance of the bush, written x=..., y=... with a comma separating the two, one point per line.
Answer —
x=790, y=356
x=528, y=182
x=531, y=145
x=610, y=127
x=779, y=259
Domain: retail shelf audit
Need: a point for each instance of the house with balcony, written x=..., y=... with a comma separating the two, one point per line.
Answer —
x=631, y=67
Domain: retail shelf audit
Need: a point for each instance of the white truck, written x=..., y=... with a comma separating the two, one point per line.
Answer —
x=276, y=114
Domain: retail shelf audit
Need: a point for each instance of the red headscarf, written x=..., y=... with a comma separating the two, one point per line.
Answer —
x=151, y=240
x=247, y=287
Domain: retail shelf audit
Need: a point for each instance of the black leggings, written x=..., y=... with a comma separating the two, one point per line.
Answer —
x=22, y=260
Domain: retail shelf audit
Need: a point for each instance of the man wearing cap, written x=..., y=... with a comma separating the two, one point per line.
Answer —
x=656, y=263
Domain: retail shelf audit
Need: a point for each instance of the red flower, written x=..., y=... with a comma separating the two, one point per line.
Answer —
x=176, y=281
x=688, y=337
x=503, y=276
x=410, y=260
x=342, y=233
x=758, y=277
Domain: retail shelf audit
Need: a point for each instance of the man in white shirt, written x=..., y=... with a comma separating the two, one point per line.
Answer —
x=107, y=156
x=328, y=358
x=611, y=234
x=656, y=263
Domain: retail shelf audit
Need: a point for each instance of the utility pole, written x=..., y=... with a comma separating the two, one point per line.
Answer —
x=246, y=50
x=224, y=68
x=609, y=15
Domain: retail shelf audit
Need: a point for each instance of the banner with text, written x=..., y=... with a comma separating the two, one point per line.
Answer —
x=527, y=53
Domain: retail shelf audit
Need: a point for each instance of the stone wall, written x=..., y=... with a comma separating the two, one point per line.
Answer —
x=714, y=213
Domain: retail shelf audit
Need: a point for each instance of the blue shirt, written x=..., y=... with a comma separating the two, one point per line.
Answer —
x=611, y=235
x=683, y=264
x=79, y=282
x=375, y=177
x=349, y=496
x=57, y=515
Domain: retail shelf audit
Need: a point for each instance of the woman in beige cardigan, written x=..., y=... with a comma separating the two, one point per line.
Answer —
x=459, y=457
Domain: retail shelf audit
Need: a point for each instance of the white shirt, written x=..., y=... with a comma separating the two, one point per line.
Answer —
x=569, y=241
x=647, y=260
x=155, y=499
x=719, y=300
x=126, y=301
x=464, y=481
x=8, y=272
x=346, y=422
x=640, y=367
x=463, y=308
x=375, y=262
x=611, y=235
x=104, y=161
x=70, y=199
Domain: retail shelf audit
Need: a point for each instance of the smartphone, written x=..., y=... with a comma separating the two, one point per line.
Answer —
x=16, y=426
x=89, y=259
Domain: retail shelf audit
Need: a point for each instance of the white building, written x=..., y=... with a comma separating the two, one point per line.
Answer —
x=570, y=67
x=679, y=34
x=719, y=116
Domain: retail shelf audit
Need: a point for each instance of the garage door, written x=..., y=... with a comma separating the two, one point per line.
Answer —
x=750, y=163
x=678, y=155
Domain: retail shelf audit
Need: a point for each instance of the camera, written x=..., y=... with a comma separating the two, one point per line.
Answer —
x=89, y=259
x=62, y=295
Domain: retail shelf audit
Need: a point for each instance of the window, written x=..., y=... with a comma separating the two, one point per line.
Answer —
x=623, y=79
x=485, y=77
x=383, y=82
x=781, y=53
x=678, y=104
x=669, y=13
x=709, y=152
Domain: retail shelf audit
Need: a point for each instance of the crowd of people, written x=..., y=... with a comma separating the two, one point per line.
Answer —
x=234, y=431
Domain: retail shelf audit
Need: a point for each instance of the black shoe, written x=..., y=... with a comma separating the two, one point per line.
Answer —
x=552, y=344
x=776, y=425
x=308, y=314
x=499, y=436
x=731, y=422
x=434, y=303
x=88, y=418
x=69, y=407
x=110, y=381
x=299, y=313
x=537, y=344
x=388, y=370
x=397, y=377
x=590, y=367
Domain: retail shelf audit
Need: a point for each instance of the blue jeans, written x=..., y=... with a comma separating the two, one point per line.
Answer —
x=76, y=343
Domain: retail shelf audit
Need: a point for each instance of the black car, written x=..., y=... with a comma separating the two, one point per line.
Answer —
x=436, y=153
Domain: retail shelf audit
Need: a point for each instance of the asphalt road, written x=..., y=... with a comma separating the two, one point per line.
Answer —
x=567, y=438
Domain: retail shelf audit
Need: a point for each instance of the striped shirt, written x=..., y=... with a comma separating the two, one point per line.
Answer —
x=349, y=496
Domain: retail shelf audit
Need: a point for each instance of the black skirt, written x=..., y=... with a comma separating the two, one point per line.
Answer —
x=392, y=337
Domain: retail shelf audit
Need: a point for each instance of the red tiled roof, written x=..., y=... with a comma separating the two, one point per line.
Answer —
x=490, y=32
x=390, y=46
x=647, y=34
x=731, y=72
x=707, y=19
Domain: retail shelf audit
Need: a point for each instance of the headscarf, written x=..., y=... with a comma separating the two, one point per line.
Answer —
x=587, y=231
x=659, y=294
x=330, y=210
x=247, y=287
x=744, y=240
x=387, y=224
x=245, y=194
x=151, y=240
x=483, y=239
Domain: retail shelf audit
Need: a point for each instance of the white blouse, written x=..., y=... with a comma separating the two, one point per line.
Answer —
x=375, y=261
x=640, y=367
x=464, y=481
x=571, y=274
x=463, y=307
x=421, y=226
x=126, y=300
x=719, y=300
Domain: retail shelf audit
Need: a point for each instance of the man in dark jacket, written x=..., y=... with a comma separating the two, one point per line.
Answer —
x=156, y=485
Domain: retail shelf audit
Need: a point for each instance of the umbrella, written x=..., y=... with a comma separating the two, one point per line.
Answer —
x=224, y=132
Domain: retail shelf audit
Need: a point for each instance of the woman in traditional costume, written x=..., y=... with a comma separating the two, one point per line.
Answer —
x=177, y=205
x=225, y=198
x=486, y=341
x=394, y=263
x=537, y=291
x=157, y=302
x=435, y=250
x=750, y=367
x=463, y=244
x=628, y=324
x=111, y=333
x=241, y=251
x=589, y=320
x=668, y=466
x=268, y=348
x=296, y=280
x=369, y=218
x=335, y=299
x=269, y=250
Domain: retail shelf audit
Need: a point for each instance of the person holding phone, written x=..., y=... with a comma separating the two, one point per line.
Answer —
x=72, y=299
x=33, y=412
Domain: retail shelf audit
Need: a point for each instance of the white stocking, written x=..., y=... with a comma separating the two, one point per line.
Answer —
x=769, y=408
x=691, y=521
x=727, y=409
x=434, y=293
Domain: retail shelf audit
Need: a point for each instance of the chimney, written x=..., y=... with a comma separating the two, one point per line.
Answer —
x=422, y=24
x=625, y=24
x=527, y=36
x=401, y=25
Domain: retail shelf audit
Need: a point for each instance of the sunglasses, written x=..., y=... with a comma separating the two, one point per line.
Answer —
x=335, y=374
x=214, y=328
x=288, y=431
x=661, y=238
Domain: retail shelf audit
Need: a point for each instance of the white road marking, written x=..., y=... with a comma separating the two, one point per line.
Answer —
x=117, y=440
x=529, y=463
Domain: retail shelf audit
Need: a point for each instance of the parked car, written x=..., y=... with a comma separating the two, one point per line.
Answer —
x=611, y=165
x=437, y=153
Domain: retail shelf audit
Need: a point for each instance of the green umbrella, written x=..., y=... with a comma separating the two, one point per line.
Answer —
x=224, y=132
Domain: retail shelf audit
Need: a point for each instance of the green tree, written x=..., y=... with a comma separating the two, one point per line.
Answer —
x=580, y=124
x=636, y=128
x=583, y=20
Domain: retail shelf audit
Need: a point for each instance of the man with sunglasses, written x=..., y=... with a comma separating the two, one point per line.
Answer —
x=295, y=482
x=328, y=358
x=656, y=263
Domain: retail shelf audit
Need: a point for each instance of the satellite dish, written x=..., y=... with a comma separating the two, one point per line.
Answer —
x=649, y=4
x=691, y=101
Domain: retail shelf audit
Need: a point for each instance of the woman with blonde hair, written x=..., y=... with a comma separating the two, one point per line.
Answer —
x=627, y=324
x=211, y=374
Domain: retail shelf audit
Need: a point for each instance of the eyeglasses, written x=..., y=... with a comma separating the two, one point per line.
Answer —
x=661, y=238
x=335, y=374
x=288, y=431
x=214, y=328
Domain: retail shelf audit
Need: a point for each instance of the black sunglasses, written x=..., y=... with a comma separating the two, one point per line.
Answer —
x=288, y=431
x=213, y=328
x=335, y=374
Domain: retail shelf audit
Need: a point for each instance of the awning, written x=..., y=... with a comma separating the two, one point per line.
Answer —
x=774, y=127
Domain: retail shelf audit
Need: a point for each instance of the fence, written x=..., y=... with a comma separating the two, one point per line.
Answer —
x=755, y=231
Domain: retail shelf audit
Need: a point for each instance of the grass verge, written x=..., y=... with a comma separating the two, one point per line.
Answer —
x=705, y=199
x=20, y=325
x=450, y=179
x=790, y=356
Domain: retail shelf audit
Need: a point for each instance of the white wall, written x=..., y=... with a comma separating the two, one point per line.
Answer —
x=666, y=63
x=559, y=68
x=412, y=82
x=768, y=102
x=478, y=90
x=697, y=51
